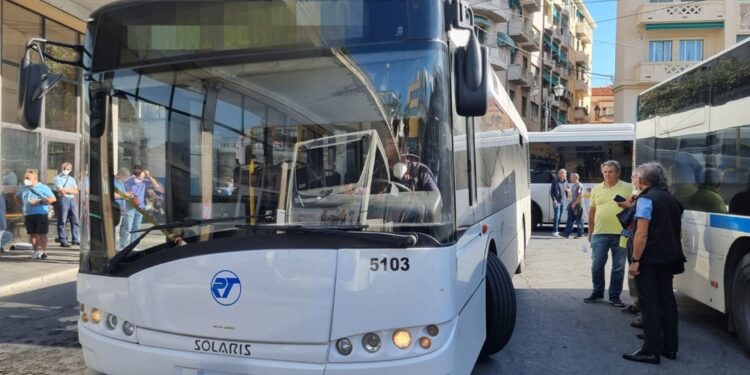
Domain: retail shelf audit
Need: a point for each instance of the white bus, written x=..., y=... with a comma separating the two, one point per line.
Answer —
x=697, y=125
x=579, y=148
x=346, y=188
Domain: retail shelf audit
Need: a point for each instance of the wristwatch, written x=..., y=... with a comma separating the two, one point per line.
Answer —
x=634, y=260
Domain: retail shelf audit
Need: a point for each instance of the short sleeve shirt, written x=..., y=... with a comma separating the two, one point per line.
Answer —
x=40, y=191
x=603, y=199
x=67, y=182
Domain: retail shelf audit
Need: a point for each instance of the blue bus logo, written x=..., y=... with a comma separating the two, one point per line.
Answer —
x=226, y=288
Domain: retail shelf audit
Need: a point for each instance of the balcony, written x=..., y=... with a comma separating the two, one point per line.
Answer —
x=582, y=86
x=565, y=40
x=553, y=100
x=583, y=32
x=702, y=11
x=556, y=33
x=582, y=58
x=547, y=59
x=520, y=75
x=496, y=10
x=524, y=33
x=654, y=72
x=499, y=57
x=531, y=5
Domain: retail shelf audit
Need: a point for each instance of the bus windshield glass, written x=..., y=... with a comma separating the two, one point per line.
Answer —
x=357, y=137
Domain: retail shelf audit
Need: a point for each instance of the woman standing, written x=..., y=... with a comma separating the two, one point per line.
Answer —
x=657, y=257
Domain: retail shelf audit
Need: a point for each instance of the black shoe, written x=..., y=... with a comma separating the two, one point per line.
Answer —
x=43, y=256
x=640, y=356
x=76, y=243
x=57, y=239
x=669, y=354
x=616, y=302
x=630, y=310
x=592, y=298
x=640, y=336
x=64, y=244
x=637, y=323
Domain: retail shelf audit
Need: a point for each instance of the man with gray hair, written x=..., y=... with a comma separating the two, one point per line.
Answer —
x=66, y=192
x=604, y=233
x=575, y=208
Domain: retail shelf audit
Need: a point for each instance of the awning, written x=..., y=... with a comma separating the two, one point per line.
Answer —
x=563, y=57
x=482, y=21
x=562, y=118
x=514, y=4
x=504, y=40
x=555, y=13
x=580, y=16
x=685, y=26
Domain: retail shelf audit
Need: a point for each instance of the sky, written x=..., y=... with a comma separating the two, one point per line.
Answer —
x=604, y=40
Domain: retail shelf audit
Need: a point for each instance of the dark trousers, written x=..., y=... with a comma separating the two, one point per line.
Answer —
x=67, y=212
x=659, y=308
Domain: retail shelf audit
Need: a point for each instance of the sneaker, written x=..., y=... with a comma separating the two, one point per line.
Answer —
x=64, y=244
x=76, y=243
x=34, y=255
x=592, y=298
x=616, y=302
x=630, y=309
x=43, y=256
x=556, y=234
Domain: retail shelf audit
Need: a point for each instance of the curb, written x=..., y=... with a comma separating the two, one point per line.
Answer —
x=54, y=278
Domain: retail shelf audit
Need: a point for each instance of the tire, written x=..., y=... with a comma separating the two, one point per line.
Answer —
x=500, y=306
x=741, y=301
x=536, y=218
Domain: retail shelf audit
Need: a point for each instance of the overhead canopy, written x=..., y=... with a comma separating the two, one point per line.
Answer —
x=686, y=26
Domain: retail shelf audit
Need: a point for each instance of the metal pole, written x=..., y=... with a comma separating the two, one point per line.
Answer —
x=546, y=113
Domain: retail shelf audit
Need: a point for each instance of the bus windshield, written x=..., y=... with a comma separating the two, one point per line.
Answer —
x=356, y=136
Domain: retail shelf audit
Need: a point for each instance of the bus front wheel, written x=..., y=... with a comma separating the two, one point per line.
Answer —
x=741, y=301
x=500, y=306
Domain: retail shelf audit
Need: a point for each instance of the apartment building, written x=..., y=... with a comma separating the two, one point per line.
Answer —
x=534, y=46
x=658, y=39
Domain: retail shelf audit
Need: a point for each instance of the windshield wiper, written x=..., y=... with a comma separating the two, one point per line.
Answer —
x=122, y=254
x=354, y=231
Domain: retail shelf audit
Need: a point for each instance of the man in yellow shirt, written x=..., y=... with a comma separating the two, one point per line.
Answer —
x=604, y=233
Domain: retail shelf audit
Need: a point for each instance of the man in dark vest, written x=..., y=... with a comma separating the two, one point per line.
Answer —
x=657, y=257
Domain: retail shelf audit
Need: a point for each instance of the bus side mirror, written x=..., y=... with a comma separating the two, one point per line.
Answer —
x=34, y=82
x=471, y=79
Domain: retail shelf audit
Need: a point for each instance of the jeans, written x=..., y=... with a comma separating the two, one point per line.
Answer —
x=569, y=223
x=67, y=211
x=558, y=211
x=600, y=245
x=130, y=221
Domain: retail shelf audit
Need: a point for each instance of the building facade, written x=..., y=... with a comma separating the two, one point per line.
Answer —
x=603, y=103
x=534, y=45
x=663, y=38
x=58, y=139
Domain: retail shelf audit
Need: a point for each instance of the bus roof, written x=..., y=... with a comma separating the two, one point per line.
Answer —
x=586, y=133
x=696, y=66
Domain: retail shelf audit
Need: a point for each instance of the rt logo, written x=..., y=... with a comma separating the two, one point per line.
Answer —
x=226, y=288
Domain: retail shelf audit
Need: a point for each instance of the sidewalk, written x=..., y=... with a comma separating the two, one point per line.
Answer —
x=20, y=274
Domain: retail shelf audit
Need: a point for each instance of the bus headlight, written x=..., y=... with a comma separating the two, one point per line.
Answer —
x=402, y=338
x=96, y=315
x=111, y=322
x=128, y=328
x=371, y=342
x=344, y=346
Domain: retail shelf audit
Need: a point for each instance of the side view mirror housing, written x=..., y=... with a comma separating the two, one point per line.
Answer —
x=34, y=82
x=471, y=79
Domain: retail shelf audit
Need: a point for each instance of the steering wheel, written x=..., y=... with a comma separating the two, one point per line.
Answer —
x=401, y=187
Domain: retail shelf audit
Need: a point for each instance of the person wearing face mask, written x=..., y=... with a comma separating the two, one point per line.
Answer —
x=34, y=199
x=67, y=209
x=135, y=196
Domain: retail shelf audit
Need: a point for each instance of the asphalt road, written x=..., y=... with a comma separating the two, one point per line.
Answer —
x=556, y=333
